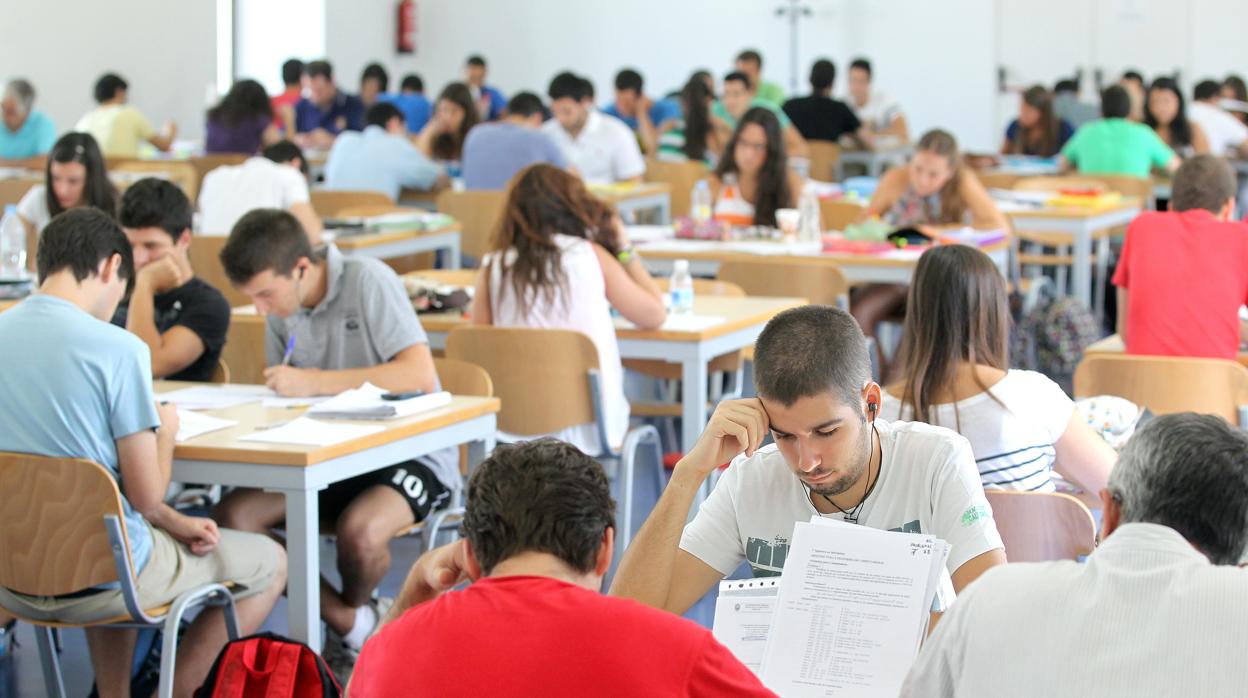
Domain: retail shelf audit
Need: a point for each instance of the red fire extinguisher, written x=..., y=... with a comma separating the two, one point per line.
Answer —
x=407, y=27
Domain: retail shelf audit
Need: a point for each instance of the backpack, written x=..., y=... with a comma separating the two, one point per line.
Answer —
x=1051, y=337
x=267, y=665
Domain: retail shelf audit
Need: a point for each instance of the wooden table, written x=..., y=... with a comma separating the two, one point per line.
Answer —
x=629, y=199
x=400, y=243
x=300, y=472
x=1113, y=344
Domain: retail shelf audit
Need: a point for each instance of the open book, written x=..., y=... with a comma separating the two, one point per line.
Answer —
x=847, y=616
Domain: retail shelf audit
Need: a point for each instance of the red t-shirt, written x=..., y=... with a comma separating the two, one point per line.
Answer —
x=1186, y=274
x=286, y=99
x=537, y=636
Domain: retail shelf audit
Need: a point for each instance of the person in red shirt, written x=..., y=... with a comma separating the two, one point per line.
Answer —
x=1183, y=274
x=284, y=103
x=539, y=530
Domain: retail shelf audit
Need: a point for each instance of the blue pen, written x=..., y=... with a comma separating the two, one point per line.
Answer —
x=290, y=350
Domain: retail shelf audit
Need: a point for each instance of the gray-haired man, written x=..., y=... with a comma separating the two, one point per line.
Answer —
x=1158, y=609
x=25, y=133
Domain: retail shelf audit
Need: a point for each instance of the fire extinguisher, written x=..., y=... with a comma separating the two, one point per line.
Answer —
x=406, y=42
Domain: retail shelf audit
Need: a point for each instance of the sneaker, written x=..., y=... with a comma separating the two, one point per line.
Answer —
x=342, y=657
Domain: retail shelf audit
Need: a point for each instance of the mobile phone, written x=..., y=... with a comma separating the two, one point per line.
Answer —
x=395, y=397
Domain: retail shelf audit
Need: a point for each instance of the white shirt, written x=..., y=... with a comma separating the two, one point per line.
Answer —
x=927, y=484
x=584, y=309
x=605, y=150
x=231, y=191
x=1013, y=444
x=878, y=113
x=1225, y=132
x=1146, y=615
x=34, y=207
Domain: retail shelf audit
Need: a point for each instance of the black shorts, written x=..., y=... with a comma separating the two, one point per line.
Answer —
x=412, y=479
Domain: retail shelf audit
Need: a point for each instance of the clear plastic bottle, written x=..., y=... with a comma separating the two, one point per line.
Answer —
x=809, y=228
x=12, y=244
x=681, y=288
x=700, y=206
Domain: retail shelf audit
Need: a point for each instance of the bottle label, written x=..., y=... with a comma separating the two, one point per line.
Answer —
x=682, y=299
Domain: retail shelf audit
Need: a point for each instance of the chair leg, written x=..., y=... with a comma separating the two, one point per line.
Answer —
x=1060, y=274
x=210, y=595
x=52, y=679
x=56, y=640
x=1102, y=270
x=628, y=465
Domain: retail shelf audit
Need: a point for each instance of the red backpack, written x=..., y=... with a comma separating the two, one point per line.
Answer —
x=266, y=665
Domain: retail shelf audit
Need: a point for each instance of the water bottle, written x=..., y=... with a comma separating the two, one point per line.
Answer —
x=681, y=288
x=700, y=206
x=809, y=228
x=12, y=244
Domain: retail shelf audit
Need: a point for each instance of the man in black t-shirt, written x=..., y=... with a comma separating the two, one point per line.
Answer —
x=819, y=117
x=182, y=319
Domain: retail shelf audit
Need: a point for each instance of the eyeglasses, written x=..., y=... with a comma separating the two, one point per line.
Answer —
x=752, y=145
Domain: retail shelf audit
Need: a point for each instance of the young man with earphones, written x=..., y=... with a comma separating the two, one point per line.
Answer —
x=334, y=323
x=831, y=457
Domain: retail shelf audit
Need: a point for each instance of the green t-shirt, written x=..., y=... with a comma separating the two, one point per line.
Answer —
x=1117, y=146
x=771, y=92
x=718, y=110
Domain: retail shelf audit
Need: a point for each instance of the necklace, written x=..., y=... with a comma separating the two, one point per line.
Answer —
x=851, y=516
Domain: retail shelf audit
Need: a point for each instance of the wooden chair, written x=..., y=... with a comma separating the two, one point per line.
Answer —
x=62, y=530
x=1042, y=526
x=244, y=349
x=205, y=258
x=12, y=190
x=221, y=374
x=823, y=158
x=997, y=180
x=835, y=215
x=478, y=213
x=682, y=177
x=1166, y=384
x=818, y=281
x=329, y=204
x=548, y=381
x=179, y=172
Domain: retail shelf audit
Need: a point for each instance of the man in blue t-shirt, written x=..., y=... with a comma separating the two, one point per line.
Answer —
x=24, y=133
x=411, y=100
x=84, y=390
x=327, y=110
x=494, y=153
x=638, y=111
x=490, y=101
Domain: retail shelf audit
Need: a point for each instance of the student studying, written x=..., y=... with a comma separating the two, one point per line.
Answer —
x=495, y=152
x=600, y=148
x=25, y=132
x=242, y=122
x=754, y=171
x=117, y=126
x=277, y=178
x=695, y=135
x=1114, y=145
x=1165, y=113
x=380, y=158
x=819, y=117
x=1037, y=130
x=325, y=110
x=74, y=177
x=454, y=115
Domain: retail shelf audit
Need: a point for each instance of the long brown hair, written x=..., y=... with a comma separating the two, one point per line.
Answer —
x=772, y=191
x=450, y=146
x=1041, y=140
x=545, y=201
x=958, y=313
x=942, y=143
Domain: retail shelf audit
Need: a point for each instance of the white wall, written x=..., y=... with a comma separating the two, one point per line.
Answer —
x=165, y=49
x=259, y=51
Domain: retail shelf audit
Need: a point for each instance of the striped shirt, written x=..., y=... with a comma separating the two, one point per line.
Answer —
x=1013, y=445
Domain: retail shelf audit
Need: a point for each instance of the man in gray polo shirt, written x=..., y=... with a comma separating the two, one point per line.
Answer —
x=343, y=321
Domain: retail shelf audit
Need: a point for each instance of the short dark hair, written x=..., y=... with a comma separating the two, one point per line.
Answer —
x=78, y=240
x=412, y=82
x=1134, y=75
x=1203, y=182
x=375, y=71
x=861, y=64
x=811, y=350
x=1066, y=85
x=738, y=76
x=751, y=56
x=566, y=85
x=292, y=71
x=1206, y=89
x=1115, y=102
x=381, y=113
x=284, y=152
x=525, y=104
x=587, y=88
x=628, y=79
x=156, y=203
x=1188, y=472
x=822, y=74
x=319, y=69
x=108, y=86
x=539, y=496
x=476, y=60
x=264, y=239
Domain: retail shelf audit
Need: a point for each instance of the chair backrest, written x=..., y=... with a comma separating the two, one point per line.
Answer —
x=705, y=287
x=541, y=376
x=12, y=190
x=1060, y=182
x=1040, y=526
x=462, y=378
x=682, y=177
x=179, y=172
x=997, y=180
x=823, y=158
x=818, y=281
x=478, y=213
x=329, y=204
x=221, y=374
x=1140, y=187
x=1166, y=384
x=835, y=215
x=52, y=535
x=205, y=258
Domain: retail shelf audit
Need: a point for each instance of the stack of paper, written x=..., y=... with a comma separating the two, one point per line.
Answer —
x=310, y=432
x=192, y=424
x=849, y=613
x=365, y=402
x=210, y=397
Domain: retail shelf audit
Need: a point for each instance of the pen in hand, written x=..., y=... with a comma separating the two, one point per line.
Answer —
x=290, y=350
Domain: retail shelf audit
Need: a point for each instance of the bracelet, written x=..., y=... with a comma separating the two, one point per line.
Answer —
x=626, y=255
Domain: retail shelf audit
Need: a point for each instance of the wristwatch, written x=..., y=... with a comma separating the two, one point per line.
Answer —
x=626, y=255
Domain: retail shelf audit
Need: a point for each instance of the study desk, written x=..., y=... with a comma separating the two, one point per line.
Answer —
x=400, y=243
x=630, y=198
x=301, y=472
x=1113, y=344
x=874, y=160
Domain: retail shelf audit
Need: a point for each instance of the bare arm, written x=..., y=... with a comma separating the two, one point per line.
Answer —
x=1121, y=322
x=984, y=212
x=481, y=314
x=972, y=568
x=163, y=140
x=145, y=459
x=1200, y=144
x=898, y=128
x=424, y=139
x=631, y=290
x=891, y=185
x=796, y=183
x=1083, y=457
x=306, y=215
x=270, y=135
x=647, y=132
x=177, y=348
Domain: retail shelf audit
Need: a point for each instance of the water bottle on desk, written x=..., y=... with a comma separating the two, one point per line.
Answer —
x=681, y=288
x=700, y=206
x=12, y=244
x=809, y=228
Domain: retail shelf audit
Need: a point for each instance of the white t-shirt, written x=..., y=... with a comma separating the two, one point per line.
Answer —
x=927, y=484
x=231, y=191
x=605, y=150
x=1225, y=132
x=34, y=207
x=878, y=113
x=1013, y=445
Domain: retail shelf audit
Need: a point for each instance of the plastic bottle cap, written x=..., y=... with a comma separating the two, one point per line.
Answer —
x=10, y=208
x=681, y=265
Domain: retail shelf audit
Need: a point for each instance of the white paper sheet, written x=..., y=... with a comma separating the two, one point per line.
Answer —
x=743, y=613
x=192, y=424
x=289, y=402
x=649, y=233
x=311, y=432
x=365, y=402
x=209, y=397
x=678, y=323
